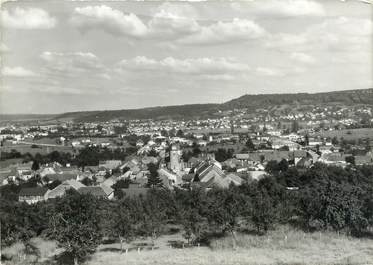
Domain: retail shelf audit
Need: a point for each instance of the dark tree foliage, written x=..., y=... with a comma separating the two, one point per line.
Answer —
x=75, y=224
x=350, y=159
x=10, y=155
x=335, y=206
x=153, y=153
x=263, y=212
x=180, y=133
x=124, y=221
x=225, y=210
x=187, y=155
x=119, y=185
x=222, y=154
x=54, y=184
x=192, y=211
x=21, y=222
x=272, y=167
x=250, y=145
x=319, y=198
x=120, y=129
x=90, y=156
x=88, y=181
x=153, y=180
x=35, y=166
x=150, y=214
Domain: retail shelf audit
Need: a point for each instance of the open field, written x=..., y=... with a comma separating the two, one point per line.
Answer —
x=348, y=134
x=283, y=246
x=9, y=162
x=27, y=148
x=278, y=247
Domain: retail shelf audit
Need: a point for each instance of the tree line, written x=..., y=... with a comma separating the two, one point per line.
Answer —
x=315, y=199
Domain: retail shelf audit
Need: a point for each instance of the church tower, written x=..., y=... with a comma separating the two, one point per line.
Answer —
x=175, y=159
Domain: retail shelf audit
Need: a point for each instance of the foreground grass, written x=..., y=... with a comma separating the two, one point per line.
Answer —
x=278, y=247
x=281, y=247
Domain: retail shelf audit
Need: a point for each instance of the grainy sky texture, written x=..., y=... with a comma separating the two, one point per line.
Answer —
x=71, y=56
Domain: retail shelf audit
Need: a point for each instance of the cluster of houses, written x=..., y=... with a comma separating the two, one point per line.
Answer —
x=174, y=170
x=203, y=171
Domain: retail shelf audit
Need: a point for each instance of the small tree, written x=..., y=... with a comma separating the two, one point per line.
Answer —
x=250, y=145
x=225, y=209
x=154, y=180
x=263, y=214
x=87, y=181
x=180, y=133
x=153, y=217
x=124, y=222
x=119, y=185
x=350, y=159
x=35, y=166
x=272, y=167
x=283, y=165
x=192, y=211
x=75, y=224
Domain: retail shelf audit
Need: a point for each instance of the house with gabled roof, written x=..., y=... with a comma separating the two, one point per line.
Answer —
x=33, y=195
x=169, y=178
x=61, y=189
x=208, y=174
x=109, y=191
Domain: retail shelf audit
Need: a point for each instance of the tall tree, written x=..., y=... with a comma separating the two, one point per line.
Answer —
x=124, y=221
x=75, y=224
x=226, y=207
x=250, y=145
x=153, y=180
x=263, y=214
x=35, y=165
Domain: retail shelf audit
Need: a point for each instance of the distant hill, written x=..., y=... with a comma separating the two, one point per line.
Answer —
x=25, y=117
x=180, y=111
x=252, y=102
x=349, y=97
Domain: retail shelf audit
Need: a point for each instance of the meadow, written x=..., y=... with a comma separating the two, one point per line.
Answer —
x=348, y=134
x=284, y=246
x=43, y=150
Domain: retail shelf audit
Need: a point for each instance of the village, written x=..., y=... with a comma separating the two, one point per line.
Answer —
x=218, y=152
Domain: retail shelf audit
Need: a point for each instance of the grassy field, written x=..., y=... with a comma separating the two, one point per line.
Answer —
x=283, y=246
x=350, y=134
x=24, y=148
x=9, y=162
x=278, y=247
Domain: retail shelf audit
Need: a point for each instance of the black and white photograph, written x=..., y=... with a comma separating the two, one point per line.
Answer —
x=186, y=132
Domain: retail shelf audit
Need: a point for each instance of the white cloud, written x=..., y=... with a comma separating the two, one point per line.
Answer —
x=17, y=71
x=221, y=77
x=343, y=25
x=108, y=19
x=280, y=8
x=303, y=58
x=266, y=71
x=197, y=66
x=31, y=18
x=4, y=48
x=222, y=32
x=341, y=33
x=164, y=25
x=75, y=62
x=84, y=69
x=169, y=21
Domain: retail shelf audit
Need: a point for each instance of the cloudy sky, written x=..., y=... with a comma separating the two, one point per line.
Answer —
x=71, y=56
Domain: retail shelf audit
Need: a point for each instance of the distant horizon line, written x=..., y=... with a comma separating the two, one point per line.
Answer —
x=159, y=106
